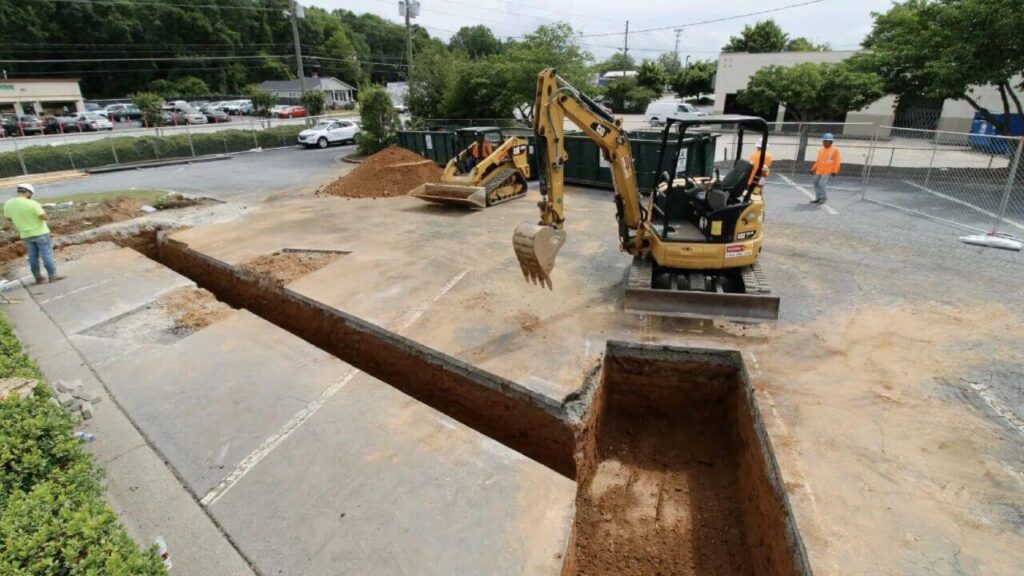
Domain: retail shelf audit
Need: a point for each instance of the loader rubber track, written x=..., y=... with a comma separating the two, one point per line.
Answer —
x=504, y=177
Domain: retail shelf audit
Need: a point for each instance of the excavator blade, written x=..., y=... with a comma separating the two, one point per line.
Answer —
x=472, y=196
x=536, y=247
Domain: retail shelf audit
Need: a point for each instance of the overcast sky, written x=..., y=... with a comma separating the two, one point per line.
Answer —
x=839, y=22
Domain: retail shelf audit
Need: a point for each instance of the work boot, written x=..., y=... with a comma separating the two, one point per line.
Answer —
x=817, y=201
x=57, y=277
x=40, y=280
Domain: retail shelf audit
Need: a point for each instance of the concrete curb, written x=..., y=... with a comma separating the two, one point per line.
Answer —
x=157, y=164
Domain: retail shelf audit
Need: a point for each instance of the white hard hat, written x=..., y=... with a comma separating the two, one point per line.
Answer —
x=27, y=188
x=759, y=146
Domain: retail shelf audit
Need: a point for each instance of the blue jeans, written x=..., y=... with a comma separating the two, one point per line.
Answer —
x=40, y=246
x=820, y=184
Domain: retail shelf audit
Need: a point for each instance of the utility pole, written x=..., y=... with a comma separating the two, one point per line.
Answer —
x=678, y=31
x=625, y=47
x=410, y=9
x=296, y=14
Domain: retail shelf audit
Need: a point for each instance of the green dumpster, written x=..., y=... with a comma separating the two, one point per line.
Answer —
x=437, y=145
x=587, y=166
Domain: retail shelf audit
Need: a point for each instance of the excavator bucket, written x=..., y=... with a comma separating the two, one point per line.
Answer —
x=536, y=247
x=472, y=196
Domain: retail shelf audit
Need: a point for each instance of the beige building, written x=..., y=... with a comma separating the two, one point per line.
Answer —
x=40, y=96
x=736, y=68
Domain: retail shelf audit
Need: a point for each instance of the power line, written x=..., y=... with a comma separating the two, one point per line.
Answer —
x=150, y=59
x=135, y=3
x=712, y=21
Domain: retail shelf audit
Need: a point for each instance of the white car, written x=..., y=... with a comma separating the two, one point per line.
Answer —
x=327, y=132
x=658, y=112
x=93, y=121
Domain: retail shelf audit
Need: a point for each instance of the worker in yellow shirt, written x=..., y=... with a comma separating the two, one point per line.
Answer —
x=29, y=219
x=755, y=157
x=825, y=168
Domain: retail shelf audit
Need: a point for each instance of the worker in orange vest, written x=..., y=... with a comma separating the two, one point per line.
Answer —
x=825, y=168
x=755, y=157
x=478, y=150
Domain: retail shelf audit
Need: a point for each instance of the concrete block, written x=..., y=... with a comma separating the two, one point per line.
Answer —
x=65, y=399
x=86, y=396
x=87, y=411
x=68, y=386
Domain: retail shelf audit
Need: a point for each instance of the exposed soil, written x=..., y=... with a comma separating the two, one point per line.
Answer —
x=281, y=268
x=85, y=216
x=391, y=172
x=193, y=308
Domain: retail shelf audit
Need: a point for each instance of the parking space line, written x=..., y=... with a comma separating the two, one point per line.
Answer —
x=962, y=203
x=805, y=192
x=289, y=428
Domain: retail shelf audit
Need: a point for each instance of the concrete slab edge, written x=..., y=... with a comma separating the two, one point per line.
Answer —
x=157, y=164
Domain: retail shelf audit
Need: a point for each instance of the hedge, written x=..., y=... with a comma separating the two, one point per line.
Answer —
x=53, y=519
x=43, y=158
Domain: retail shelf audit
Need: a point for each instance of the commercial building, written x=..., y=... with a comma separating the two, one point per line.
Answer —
x=736, y=68
x=336, y=92
x=40, y=96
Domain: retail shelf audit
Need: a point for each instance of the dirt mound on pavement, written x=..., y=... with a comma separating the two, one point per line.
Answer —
x=281, y=268
x=391, y=172
x=193, y=308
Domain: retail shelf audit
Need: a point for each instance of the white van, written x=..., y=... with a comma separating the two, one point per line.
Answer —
x=658, y=112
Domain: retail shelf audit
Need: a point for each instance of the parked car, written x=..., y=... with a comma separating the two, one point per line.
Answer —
x=92, y=121
x=61, y=125
x=121, y=112
x=175, y=115
x=198, y=104
x=275, y=109
x=291, y=112
x=237, y=107
x=214, y=115
x=22, y=125
x=92, y=107
x=327, y=132
x=658, y=112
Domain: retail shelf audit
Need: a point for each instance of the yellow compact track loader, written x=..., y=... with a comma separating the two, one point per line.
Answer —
x=695, y=241
x=476, y=182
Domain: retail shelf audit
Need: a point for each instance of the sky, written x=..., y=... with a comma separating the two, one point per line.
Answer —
x=841, y=23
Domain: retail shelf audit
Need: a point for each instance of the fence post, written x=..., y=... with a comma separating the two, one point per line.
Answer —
x=21, y=160
x=255, y=142
x=866, y=173
x=1010, y=179
x=191, y=146
x=113, y=149
x=931, y=162
x=71, y=157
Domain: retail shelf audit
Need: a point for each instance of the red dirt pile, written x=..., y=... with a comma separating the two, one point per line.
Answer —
x=391, y=172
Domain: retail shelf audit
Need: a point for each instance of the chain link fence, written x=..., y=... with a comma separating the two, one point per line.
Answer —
x=81, y=151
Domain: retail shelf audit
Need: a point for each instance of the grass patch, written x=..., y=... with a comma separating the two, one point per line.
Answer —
x=53, y=519
x=144, y=195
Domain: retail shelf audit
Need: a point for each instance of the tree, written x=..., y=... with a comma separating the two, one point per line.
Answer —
x=625, y=95
x=696, y=79
x=191, y=86
x=314, y=101
x=617, y=61
x=262, y=100
x=379, y=120
x=164, y=87
x=764, y=36
x=151, y=105
x=801, y=44
x=432, y=78
x=652, y=76
x=475, y=41
x=670, y=62
x=947, y=48
x=811, y=91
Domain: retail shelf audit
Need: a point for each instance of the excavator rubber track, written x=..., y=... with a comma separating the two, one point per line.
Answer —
x=507, y=184
x=755, y=304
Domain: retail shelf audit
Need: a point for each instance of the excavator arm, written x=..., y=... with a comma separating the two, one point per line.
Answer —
x=537, y=245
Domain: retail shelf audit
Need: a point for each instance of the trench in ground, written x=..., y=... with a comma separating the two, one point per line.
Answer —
x=675, y=471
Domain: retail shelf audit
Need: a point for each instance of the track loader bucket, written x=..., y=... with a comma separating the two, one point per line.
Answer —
x=536, y=247
x=472, y=196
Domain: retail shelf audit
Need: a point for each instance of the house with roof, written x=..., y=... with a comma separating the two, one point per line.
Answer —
x=336, y=92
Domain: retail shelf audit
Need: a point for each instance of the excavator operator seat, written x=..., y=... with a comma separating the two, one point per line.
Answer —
x=735, y=181
x=718, y=199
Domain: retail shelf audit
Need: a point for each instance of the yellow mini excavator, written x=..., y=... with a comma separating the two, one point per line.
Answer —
x=467, y=181
x=695, y=241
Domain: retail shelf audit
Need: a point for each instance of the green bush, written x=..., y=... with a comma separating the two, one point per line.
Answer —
x=53, y=519
x=128, y=149
x=378, y=118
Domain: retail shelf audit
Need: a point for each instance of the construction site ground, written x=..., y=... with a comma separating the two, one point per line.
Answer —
x=891, y=387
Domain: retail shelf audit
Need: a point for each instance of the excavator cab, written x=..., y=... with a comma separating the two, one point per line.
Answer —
x=466, y=137
x=706, y=209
